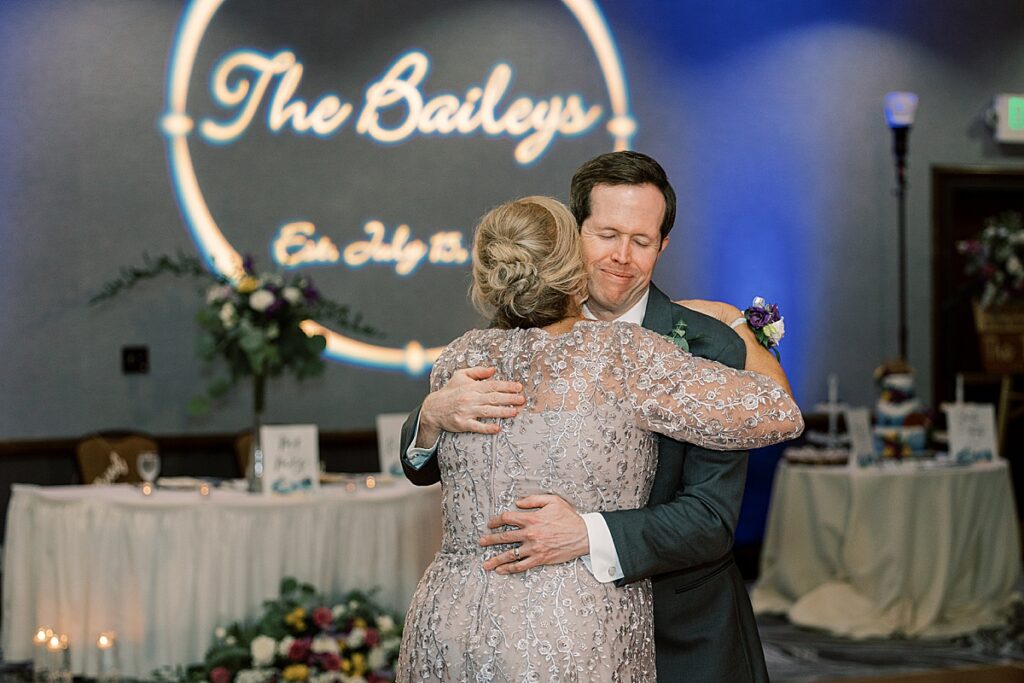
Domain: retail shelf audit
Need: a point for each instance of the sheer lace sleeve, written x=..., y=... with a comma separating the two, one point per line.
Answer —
x=700, y=401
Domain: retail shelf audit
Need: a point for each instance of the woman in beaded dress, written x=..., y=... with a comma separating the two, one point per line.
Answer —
x=596, y=394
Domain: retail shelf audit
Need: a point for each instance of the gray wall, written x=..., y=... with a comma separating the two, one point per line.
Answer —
x=768, y=119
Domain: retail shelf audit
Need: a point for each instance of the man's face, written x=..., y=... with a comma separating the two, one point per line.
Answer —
x=621, y=242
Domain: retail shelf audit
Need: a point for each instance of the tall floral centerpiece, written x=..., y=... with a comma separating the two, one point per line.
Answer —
x=258, y=325
x=995, y=260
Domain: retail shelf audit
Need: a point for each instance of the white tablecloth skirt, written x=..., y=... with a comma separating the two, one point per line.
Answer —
x=876, y=552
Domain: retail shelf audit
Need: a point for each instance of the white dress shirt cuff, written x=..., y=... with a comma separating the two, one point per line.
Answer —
x=416, y=458
x=603, y=560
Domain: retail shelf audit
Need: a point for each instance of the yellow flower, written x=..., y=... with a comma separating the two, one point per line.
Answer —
x=358, y=663
x=359, y=623
x=247, y=284
x=295, y=672
x=296, y=619
x=346, y=665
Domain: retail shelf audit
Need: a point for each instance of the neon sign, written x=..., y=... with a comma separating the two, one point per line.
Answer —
x=395, y=108
x=243, y=77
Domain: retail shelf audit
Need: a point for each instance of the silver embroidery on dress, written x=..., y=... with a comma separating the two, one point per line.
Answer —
x=593, y=398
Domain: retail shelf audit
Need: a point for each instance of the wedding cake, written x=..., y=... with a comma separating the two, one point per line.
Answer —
x=900, y=423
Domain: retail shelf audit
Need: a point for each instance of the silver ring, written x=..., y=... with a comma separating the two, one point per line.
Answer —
x=515, y=553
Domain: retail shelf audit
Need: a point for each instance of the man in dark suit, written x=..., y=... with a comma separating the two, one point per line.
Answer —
x=704, y=625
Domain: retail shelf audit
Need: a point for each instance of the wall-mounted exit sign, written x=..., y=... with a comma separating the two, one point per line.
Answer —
x=1009, y=111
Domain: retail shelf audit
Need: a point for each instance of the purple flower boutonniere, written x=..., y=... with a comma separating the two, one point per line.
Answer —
x=768, y=326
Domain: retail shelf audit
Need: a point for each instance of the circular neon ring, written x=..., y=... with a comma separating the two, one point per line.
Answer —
x=177, y=125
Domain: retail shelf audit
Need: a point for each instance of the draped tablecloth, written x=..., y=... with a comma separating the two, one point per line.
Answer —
x=165, y=571
x=878, y=551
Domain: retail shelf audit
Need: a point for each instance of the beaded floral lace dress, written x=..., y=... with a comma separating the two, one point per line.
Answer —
x=594, y=396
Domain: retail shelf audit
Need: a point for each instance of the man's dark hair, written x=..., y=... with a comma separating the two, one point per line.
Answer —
x=620, y=168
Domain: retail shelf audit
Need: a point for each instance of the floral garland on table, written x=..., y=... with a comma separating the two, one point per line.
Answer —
x=303, y=636
x=251, y=321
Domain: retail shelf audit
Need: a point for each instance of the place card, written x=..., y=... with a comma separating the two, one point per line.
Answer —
x=389, y=442
x=862, y=441
x=972, y=432
x=291, y=459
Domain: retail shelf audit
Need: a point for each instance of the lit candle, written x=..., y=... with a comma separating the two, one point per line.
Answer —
x=60, y=658
x=42, y=635
x=108, y=658
x=370, y=482
x=40, y=659
x=204, y=489
x=147, y=489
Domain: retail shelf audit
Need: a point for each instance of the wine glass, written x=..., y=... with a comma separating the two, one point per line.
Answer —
x=148, y=464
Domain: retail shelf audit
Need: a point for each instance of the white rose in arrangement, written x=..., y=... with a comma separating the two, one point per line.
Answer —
x=260, y=300
x=1013, y=266
x=254, y=675
x=385, y=623
x=285, y=645
x=338, y=611
x=220, y=632
x=231, y=640
x=775, y=331
x=356, y=638
x=292, y=295
x=217, y=293
x=227, y=315
x=325, y=644
x=262, y=649
x=377, y=659
x=353, y=679
x=391, y=644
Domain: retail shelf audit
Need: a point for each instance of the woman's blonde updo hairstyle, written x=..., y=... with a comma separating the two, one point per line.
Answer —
x=527, y=264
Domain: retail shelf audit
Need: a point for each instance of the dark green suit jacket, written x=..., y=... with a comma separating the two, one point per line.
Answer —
x=703, y=624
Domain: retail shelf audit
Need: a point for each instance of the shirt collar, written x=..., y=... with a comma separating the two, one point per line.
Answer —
x=634, y=315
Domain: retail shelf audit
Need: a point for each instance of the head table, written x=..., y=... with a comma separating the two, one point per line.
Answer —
x=911, y=549
x=164, y=571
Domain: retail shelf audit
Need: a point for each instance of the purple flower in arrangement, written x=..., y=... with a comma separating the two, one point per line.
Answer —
x=759, y=317
x=311, y=293
x=249, y=264
x=276, y=306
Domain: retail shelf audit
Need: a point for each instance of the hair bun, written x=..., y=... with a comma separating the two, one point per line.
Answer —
x=527, y=266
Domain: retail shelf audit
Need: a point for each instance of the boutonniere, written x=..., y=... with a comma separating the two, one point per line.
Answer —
x=678, y=336
x=766, y=323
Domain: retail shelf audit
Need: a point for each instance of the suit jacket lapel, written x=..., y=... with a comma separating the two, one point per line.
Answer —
x=659, y=316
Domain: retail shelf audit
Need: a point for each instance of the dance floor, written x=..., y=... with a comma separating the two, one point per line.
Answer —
x=797, y=655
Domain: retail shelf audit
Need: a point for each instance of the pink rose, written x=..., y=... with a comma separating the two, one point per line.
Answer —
x=220, y=675
x=330, y=661
x=323, y=618
x=298, y=651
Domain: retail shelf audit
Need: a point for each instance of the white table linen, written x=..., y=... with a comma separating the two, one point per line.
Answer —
x=164, y=571
x=929, y=552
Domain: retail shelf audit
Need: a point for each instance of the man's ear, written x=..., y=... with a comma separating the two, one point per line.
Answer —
x=664, y=244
